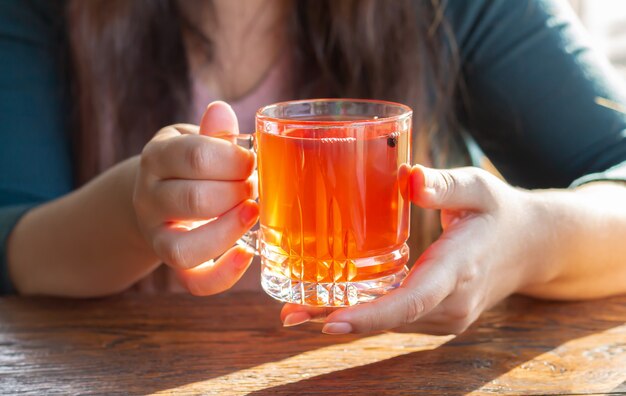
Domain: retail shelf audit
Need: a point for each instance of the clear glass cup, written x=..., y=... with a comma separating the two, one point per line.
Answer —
x=334, y=211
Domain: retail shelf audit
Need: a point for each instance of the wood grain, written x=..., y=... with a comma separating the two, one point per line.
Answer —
x=234, y=344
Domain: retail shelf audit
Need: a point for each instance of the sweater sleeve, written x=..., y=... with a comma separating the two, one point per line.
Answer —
x=533, y=92
x=35, y=153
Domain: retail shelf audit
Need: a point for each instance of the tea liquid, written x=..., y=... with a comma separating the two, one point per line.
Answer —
x=332, y=207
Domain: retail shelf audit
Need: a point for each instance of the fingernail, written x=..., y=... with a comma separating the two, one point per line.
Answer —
x=249, y=213
x=296, y=318
x=337, y=328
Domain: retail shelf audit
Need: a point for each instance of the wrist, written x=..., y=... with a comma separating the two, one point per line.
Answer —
x=551, y=231
x=580, y=234
x=84, y=244
x=127, y=179
x=116, y=185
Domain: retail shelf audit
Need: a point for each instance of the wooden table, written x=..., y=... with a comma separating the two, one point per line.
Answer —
x=234, y=344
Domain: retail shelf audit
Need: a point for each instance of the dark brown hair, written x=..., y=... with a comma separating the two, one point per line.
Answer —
x=131, y=73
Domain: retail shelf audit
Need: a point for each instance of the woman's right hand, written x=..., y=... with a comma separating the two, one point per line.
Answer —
x=187, y=176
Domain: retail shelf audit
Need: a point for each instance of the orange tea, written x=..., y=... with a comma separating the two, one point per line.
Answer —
x=334, y=219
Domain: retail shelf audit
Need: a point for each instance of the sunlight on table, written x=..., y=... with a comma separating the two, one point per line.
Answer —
x=343, y=356
x=573, y=365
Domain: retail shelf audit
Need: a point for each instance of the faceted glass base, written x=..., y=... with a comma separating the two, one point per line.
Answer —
x=330, y=294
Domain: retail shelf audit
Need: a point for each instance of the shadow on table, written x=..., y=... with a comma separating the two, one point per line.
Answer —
x=139, y=344
x=184, y=344
x=508, y=337
x=620, y=389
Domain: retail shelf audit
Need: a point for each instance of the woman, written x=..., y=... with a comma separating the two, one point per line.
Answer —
x=512, y=75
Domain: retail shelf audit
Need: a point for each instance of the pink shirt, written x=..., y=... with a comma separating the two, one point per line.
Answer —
x=274, y=87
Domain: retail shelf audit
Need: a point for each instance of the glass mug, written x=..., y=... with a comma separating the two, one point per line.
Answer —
x=334, y=211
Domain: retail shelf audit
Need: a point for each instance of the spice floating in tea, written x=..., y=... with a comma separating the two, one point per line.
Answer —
x=392, y=140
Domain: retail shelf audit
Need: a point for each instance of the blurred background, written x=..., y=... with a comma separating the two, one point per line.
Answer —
x=606, y=21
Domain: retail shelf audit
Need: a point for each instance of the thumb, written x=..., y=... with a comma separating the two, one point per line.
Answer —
x=456, y=189
x=218, y=118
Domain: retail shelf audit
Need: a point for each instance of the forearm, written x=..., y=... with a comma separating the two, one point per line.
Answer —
x=585, y=252
x=84, y=244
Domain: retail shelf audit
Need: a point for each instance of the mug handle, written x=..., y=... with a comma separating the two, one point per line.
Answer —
x=250, y=239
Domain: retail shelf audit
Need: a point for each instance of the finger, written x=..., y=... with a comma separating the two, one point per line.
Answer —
x=462, y=188
x=184, y=249
x=457, y=310
x=295, y=314
x=453, y=316
x=216, y=277
x=427, y=284
x=219, y=118
x=399, y=307
x=196, y=157
x=176, y=130
x=445, y=266
x=254, y=179
x=179, y=199
x=404, y=171
x=451, y=217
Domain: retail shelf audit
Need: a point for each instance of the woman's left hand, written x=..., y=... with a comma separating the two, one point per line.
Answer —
x=494, y=242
